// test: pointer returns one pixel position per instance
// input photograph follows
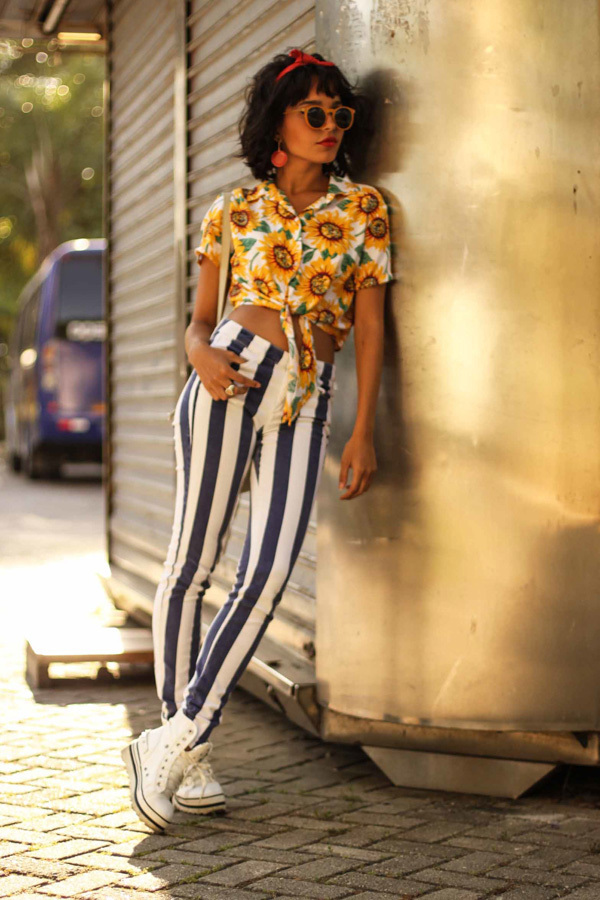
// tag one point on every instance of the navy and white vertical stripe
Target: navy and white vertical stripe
(216, 441)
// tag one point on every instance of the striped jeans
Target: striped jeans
(216, 441)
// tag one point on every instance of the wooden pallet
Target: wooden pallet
(90, 644)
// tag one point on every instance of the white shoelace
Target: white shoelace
(200, 768)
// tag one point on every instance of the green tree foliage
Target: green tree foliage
(51, 156)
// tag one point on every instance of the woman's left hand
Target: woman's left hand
(358, 455)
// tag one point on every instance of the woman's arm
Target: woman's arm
(213, 364)
(359, 452)
(208, 257)
(368, 343)
(204, 314)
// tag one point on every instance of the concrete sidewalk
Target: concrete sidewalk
(304, 818)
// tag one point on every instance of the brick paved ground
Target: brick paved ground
(304, 819)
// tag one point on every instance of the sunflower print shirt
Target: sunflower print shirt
(310, 264)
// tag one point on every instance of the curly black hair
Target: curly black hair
(267, 99)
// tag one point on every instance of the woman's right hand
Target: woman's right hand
(215, 372)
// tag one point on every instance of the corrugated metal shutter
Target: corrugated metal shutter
(144, 271)
(228, 41)
(153, 217)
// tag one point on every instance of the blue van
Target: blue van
(54, 404)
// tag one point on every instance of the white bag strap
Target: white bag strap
(225, 245)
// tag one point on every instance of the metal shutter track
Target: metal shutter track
(144, 376)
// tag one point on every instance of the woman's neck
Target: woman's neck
(294, 183)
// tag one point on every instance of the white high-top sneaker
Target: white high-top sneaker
(156, 763)
(199, 791)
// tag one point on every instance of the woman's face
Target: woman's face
(300, 140)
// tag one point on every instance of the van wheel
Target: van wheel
(39, 466)
(32, 462)
(15, 462)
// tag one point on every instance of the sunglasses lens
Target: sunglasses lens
(315, 116)
(343, 117)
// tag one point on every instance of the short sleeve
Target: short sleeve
(375, 261)
(211, 230)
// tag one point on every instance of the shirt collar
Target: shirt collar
(338, 184)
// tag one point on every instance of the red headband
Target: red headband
(301, 59)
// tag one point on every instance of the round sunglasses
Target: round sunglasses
(315, 116)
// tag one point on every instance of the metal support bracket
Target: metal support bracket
(454, 772)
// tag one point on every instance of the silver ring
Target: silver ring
(230, 389)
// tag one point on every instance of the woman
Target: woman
(310, 257)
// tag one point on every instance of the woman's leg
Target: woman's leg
(288, 462)
(214, 441)
(289, 459)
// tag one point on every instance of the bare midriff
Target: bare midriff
(264, 321)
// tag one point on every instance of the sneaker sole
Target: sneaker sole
(211, 804)
(141, 807)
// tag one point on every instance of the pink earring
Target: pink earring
(279, 157)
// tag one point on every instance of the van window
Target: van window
(80, 288)
(29, 318)
(18, 332)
